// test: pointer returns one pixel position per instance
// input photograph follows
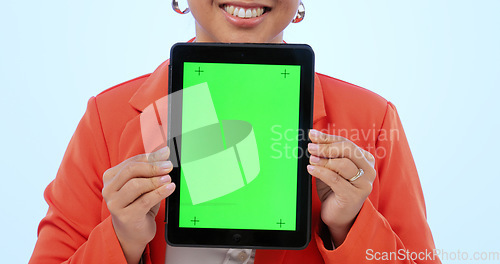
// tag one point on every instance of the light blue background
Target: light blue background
(437, 61)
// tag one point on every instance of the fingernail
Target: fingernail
(163, 151)
(165, 179)
(314, 132)
(166, 165)
(170, 186)
(310, 168)
(312, 146)
(314, 159)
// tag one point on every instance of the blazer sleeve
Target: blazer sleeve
(397, 230)
(73, 230)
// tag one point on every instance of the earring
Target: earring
(175, 6)
(301, 13)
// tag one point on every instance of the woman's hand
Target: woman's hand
(334, 160)
(133, 191)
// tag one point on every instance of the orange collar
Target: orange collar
(156, 87)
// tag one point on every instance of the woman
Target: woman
(104, 202)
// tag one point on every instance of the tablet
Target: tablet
(239, 115)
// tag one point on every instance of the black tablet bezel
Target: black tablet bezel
(275, 54)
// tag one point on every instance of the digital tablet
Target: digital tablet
(239, 116)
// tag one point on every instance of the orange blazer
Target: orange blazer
(78, 227)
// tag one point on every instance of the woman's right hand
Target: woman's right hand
(133, 191)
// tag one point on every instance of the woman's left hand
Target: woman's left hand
(334, 162)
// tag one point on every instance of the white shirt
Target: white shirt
(191, 255)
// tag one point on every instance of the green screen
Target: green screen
(239, 146)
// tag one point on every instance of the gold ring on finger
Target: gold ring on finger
(359, 174)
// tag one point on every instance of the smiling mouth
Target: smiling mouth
(242, 12)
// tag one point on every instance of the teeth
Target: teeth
(242, 12)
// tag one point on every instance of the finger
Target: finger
(148, 200)
(369, 157)
(140, 170)
(136, 187)
(343, 149)
(338, 184)
(321, 138)
(318, 137)
(342, 166)
(159, 155)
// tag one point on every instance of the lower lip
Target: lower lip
(243, 22)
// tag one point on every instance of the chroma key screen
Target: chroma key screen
(237, 172)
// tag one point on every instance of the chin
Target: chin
(244, 40)
(249, 38)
